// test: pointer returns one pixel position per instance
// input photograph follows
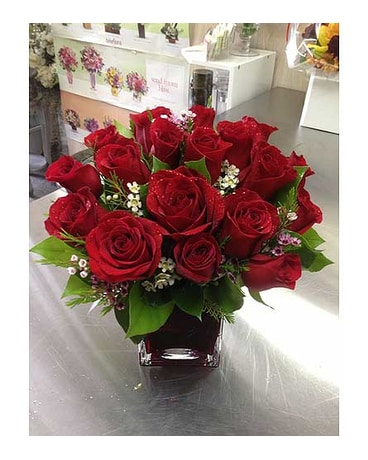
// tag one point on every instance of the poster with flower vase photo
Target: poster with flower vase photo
(119, 77)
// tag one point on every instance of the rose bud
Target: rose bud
(198, 257)
(76, 213)
(266, 272)
(73, 175)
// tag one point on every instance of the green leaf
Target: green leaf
(312, 237)
(312, 259)
(76, 286)
(225, 294)
(56, 252)
(319, 262)
(131, 126)
(149, 115)
(289, 191)
(189, 298)
(143, 192)
(200, 166)
(158, 165)
(122, 317)
(257, 296)
(123, 130)
(143, 317)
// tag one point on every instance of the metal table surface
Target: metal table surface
(278, 374)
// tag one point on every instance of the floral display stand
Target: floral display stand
(321, 105)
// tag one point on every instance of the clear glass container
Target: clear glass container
(201, 87)
(242, 39)
(221, 86)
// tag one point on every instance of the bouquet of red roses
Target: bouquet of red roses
(174, 212)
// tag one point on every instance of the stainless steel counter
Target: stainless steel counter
(279, 368)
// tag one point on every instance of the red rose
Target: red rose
(198, 257)
(166, 139)
(269, 170)
(77, 213)
(189, 172)
(266, 272)
(123, 160)
(101, 137)
(242, 142)
(183, 205)
(206, 143)
(73, 175)
(205, 116)
(259, 131)
(142, 122)
(124, 248)
(308, 213)
(249, 221)
(299, 160)
(243, 135)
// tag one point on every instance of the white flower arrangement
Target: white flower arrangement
(42, 54)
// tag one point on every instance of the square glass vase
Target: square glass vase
(183, 340)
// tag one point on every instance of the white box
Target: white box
(321, 104)
(248, 77)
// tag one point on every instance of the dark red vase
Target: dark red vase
(183, 341)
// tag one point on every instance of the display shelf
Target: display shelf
(244, 77)
(321, 104)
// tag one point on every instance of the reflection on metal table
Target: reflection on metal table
(278, 374)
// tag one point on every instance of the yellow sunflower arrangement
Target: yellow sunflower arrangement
(324, 49)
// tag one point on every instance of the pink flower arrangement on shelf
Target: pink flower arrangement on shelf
(91, 59)
(136, 83)
(68, 59)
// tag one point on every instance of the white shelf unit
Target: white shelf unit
(248, 77)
